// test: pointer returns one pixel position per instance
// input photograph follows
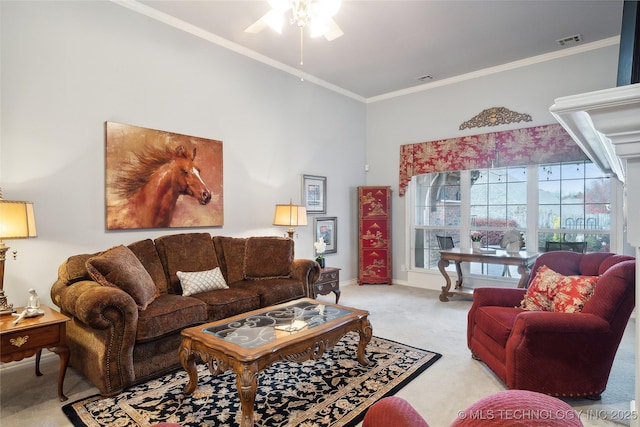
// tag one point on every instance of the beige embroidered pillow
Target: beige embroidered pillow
(198, 282)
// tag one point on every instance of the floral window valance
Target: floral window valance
(519, 147)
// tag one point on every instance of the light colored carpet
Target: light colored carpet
(400, 313)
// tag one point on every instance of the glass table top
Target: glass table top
(256, 330)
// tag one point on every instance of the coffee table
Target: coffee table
(295, 331)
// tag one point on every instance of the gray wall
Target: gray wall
(67, 67)
(438, 112)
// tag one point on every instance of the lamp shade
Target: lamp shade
(17, 220)
(290, 215)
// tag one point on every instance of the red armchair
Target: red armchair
(560, 354)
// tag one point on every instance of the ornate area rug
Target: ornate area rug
(333, 391)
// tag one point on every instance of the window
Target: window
(572, 199)
(574, 206)
(498, 202)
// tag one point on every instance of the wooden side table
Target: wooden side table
(33, 334)
(329, 281)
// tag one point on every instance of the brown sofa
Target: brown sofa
(127, 306)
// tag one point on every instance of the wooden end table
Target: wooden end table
(329, 281)
(33, 334)
(250, 342)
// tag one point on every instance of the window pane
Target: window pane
(548, 192)
(597, 190)
(549, 216)
(517, 193)
(517, 214)
(572, 191)
(572, 216)
(572, 171)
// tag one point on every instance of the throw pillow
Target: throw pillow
(201, 281)
(551, 291)
(572, 292)
(539, 295)
(119, 267)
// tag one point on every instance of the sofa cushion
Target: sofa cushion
(195, 282)
(268, 257)
(75, 269)
(119, 267)
(272, 291)
(185, 252)
(146, 252)
(169, 314)
(225, 303)
(497, 322)
(230, 252)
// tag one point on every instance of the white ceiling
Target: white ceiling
(388, 44)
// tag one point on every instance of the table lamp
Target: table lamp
(290, 216)
(17, 221)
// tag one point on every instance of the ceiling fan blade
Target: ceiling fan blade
(273, 18)
(257, 26)
(334, 31)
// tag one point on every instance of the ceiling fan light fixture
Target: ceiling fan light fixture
(280, 5)
(318, 27)
(275, 20)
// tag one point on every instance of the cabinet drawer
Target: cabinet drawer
(328, 277)
(27, 339)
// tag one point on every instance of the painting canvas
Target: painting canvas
(159, 179)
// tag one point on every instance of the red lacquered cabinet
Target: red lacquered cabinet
(374, 235)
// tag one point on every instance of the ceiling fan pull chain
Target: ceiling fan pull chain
(301, 45)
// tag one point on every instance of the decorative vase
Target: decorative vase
(320, 261)
(476, 246)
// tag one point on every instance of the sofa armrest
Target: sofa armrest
(501, 297)
(569, 344)
(545, 322)
(102, 332)
(307, 271)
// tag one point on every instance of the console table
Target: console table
(524, 261)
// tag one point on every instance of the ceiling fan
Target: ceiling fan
(317, 15)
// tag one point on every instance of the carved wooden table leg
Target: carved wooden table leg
(187, 359)
(460, 279)
(63, 354)
(524, 271)
(38, 356)
(247, 383)
(365, 332)
(442, 265)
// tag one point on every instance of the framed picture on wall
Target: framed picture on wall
(327, 229)
(314, 193)
(161, 179)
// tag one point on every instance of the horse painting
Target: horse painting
(148, 185)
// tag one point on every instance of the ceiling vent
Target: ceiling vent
(566, 41)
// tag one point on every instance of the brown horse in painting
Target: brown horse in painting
(154, 181)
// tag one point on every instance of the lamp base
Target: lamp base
(5, 308)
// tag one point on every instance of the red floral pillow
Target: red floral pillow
(572, 292)
(539, 295)
(551, 291)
